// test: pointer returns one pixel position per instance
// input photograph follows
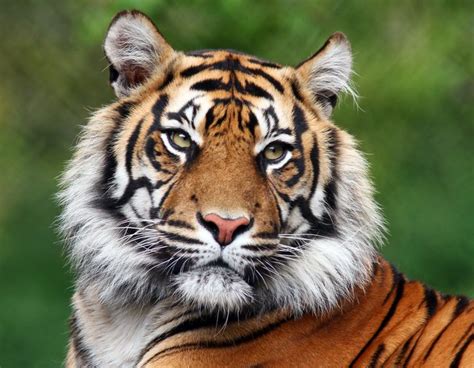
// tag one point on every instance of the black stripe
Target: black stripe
(193, 70)
(124, 110)
(180, 238)
(277, 85)
(152, 153)
(431, 301)
(264, 63)
(468, 329)
(299, 120)
(132, 141)
(385, 321)
(166, 82)
(232, 65)
(205, 53)
(324, 227)
(435, 341)
(110, 164)
(301, 126)
(157, 111)
(181, 114)
(273, 129)
(83, 354)
(460, 306)
(463, 302)
(266, 235)
(252, 123)
(257, 247)
(215, 344)
(314, 156)
(132, 187)
(330, 189)
(180, 224)
(254, 90)
(395, 280)
(401, 355)
(211, 85)
(457, 359)
(155, 211)
(375, 358)
(413, 348)
(295, 88)
(189, 325)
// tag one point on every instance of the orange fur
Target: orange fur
(410, 335)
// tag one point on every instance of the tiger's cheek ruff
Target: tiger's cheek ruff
(91, 226)
(339, 223)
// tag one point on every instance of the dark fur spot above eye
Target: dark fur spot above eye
(193, 198)
(257, 205)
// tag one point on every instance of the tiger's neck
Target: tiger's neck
(168, 335)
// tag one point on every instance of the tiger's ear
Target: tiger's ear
(327, 73)
(134, 48)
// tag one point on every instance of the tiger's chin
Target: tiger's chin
(213, 288)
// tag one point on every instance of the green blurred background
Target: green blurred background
(415, 64)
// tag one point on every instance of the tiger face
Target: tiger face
(218, 180)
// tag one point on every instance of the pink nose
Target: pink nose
(225, 227)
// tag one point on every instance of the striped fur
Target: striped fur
(301, 285)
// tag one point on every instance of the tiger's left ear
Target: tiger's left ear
(135, 49)
(327, 73)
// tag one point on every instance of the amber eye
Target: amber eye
(179, 139)
(274, 151)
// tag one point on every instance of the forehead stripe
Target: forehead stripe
(250, 88)
(157, 111)
(266, 64)
(231, 65)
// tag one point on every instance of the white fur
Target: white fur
(331, 70)
(213, 289)
(116, 336)
(133, 41)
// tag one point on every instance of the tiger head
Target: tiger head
(218, 180)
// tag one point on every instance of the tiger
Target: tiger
(215, 216)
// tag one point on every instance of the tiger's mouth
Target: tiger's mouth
(220, 266)
(218, 263)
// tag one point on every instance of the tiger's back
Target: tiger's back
(217, 217)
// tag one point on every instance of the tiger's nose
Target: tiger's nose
(225, 230)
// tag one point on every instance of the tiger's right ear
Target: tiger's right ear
(135, 49)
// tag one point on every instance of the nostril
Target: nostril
(224, 230)
(209, 225)
(242, 228)
(212, 227)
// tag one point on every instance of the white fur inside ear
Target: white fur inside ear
(135, 48)
(328, 73)
(131, 40)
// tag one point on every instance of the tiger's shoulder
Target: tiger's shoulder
(394, 322)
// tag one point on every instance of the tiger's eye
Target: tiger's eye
(180, 139)
(274, 152)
